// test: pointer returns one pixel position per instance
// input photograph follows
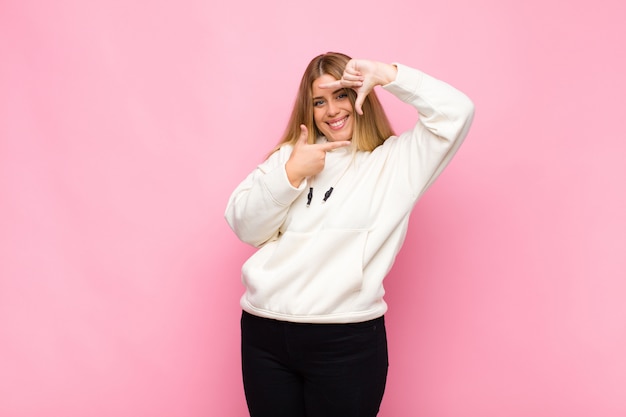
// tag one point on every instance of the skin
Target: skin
(332, 111)
(330, 106)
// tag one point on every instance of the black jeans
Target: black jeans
(313, 370)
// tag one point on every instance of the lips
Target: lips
(337, 124)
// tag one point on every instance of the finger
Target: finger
(334, 145)
(304, 135)
(346, 82)
(354, 84)
(334, 84)
(352, 66)
(358, 103)
(352, 76)
(352, 72)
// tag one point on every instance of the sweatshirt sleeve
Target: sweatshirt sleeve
(445, 116)
(259, 205)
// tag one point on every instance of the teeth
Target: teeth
(338, 123)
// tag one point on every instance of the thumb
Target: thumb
(358, 103)
(304, 136)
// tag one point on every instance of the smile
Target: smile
(337, 124)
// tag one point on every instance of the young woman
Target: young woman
(329, 210)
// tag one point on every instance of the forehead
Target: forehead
(322, 79)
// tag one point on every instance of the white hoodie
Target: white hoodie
(325, 263)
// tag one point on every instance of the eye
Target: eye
(318, 103)
(342, 96)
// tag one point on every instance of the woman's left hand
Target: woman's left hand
(362, 76)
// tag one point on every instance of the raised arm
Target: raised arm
(445, 116)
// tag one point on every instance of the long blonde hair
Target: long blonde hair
(370, 130)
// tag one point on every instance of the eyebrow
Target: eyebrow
(334, 92)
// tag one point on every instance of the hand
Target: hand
(362, 76)
(307, 160)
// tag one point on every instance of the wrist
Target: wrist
(294, 179)
(387, 73)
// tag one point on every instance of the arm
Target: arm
(260, 204)
(445, 116)
(443, 110)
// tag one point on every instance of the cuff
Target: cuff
(406, 84)
(277, 184)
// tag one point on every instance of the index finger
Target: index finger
(329, 146)
(333, 84)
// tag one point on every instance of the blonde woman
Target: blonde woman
(329, 210)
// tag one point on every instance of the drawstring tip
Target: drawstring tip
(327, 194)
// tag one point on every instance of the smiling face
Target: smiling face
(332, 110)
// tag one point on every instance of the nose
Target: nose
(332, 109)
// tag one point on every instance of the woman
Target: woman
(329, 210)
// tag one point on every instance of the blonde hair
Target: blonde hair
(370, 130)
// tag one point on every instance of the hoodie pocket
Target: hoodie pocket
(308, 274)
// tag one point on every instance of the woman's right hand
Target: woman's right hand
(307, 159)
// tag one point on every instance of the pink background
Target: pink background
(124, 126)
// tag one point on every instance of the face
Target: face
(332, 110)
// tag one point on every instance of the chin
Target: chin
(338, 137)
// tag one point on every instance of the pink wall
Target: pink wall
(122, 134)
